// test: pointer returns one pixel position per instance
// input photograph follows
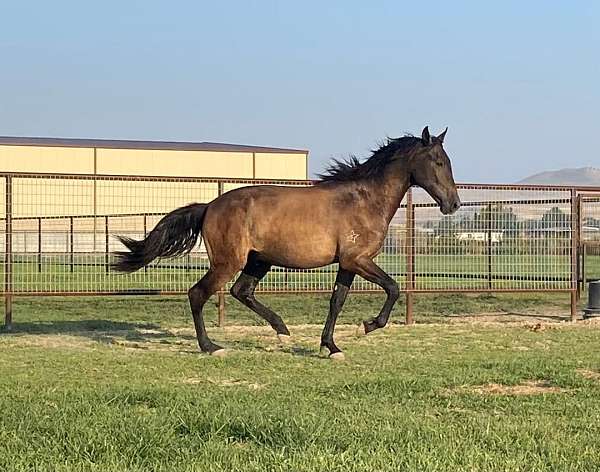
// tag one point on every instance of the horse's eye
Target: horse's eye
(439, 163)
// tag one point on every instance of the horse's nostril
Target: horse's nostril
(456, 206)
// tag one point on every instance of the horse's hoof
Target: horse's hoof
(337, 356)
(284, 339)
(361, 330)
(219, 352)
(324, 352)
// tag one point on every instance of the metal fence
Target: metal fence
(589, 223)
(58, 233)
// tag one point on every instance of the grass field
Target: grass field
(117, 385)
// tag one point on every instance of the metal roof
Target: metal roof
(133, 144)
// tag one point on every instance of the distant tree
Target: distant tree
(496, 217)
(447, 226)
(555, 218)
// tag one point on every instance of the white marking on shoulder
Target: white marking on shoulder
(352, 237)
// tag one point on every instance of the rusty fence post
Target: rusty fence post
(71, 244)
(106, 243)
(145, 235)
(221, 308)
(574, 252)
(489, 254)
(583, 269)
(8, 274)
(39, 255)
(410, 256)
(579, 247)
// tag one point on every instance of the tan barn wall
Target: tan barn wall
(2, 203)
(34, 197)
(281, 166)
(174, 163)
(79, 160)
(60, 160)
(150, 197)
(39, 197)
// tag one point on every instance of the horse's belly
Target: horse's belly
(299, 250)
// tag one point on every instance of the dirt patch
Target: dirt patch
(589, 374)
(594, 322)
(538, 327)
(531, 321)
(224, 383)
(530, 387)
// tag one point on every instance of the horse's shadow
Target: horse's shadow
(102, 331)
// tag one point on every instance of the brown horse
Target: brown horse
(343, 218)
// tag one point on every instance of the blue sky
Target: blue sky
(518, 83)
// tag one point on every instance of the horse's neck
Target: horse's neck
(388, 191)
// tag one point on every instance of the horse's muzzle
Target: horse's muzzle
(450, 207)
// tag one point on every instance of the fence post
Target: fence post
(580, 275)
(71, 245)
(106, 241)
(489, 252)
(8, 275)
(39, 258)
(574, 249)
(583, 270)
(221, 306)
(410, 253)
(145, 234)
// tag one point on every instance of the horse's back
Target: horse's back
(290, 226)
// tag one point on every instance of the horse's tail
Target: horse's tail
(174, 235)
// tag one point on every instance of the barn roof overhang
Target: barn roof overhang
(146, 145)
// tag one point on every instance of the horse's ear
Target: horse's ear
(443, 135)
(425, 136)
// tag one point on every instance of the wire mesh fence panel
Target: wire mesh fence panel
(502, 238)
(65, 228)
(590, 237)
(63, 232)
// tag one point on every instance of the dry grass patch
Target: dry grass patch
(529, 387)
(589, 374)
(224, 382)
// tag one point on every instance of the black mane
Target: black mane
(352, 169)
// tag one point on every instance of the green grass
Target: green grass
(97, 384)
(592, 266)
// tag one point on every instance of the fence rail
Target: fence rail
(58, 233)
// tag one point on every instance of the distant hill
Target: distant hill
(581, 176)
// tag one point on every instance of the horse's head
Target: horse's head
(431, 170)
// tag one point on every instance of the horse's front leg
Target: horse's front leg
(343, 281)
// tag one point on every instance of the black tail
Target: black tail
(174, 235)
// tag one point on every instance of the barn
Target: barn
(150, 158)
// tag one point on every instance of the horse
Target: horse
(343, 218)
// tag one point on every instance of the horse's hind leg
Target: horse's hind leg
(199, 294)
(244, 288)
